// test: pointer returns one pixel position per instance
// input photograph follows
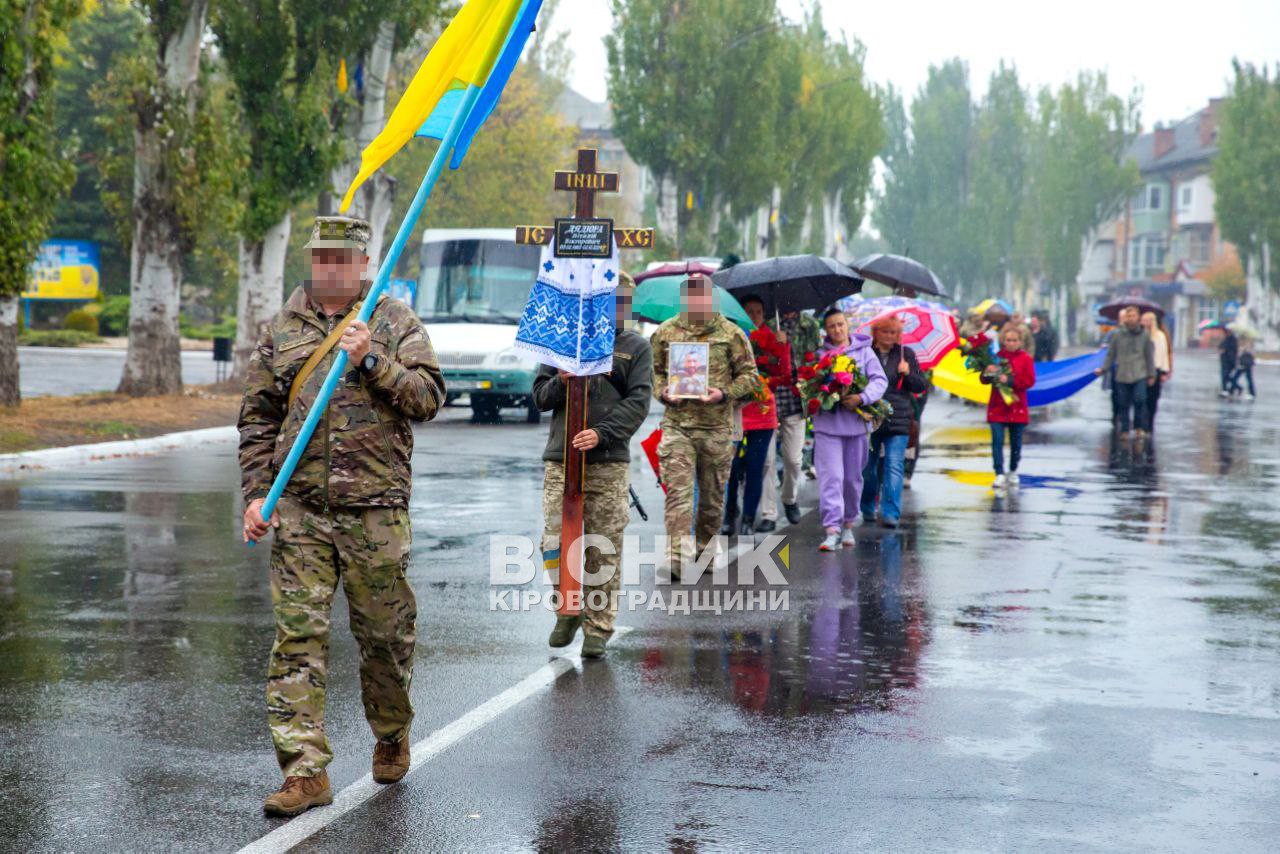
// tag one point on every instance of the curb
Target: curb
(74, 455)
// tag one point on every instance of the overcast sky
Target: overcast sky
(1178, 52)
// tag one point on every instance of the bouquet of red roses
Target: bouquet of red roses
(825, 382)
(978, 356)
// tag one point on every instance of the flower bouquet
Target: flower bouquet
(825, 382)
(978, 356)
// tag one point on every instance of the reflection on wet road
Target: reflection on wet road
(1089, 662)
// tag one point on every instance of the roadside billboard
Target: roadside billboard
(64, 270)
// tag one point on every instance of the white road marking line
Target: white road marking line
(311, 822)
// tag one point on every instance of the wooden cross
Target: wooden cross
(584, 183)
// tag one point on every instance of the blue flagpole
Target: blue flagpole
(407, 228)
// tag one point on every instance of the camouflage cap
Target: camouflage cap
(340, 232)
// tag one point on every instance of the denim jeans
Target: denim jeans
(887, 456)
(1015, 445)
(748, 467)
(1131, 395)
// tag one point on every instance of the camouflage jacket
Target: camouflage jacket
(732, 369)
(359, 454)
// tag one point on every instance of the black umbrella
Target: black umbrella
(792, 283)
(1112, 310)
(898, 271)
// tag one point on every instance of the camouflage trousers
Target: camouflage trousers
(605, 513)
(687, 460)
(368, 549)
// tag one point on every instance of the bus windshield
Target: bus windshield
(476, 281)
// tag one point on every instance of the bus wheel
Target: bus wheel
(533, 415)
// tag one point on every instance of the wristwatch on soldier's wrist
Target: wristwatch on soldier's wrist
(369, 364)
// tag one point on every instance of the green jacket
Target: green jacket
(617, 402)
(732, 369)
(1132, 354)
(806, 337)
(359, 454)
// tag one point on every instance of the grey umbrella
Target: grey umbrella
(790, 283)
(898, 271)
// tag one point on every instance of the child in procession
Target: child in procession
(1016, 371)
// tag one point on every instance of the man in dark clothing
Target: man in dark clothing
(1132, 353)
(1228, 356)
(617, 404)
(889, 442)
(1045, 336)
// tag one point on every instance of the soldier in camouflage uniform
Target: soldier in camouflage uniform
(617, 404)
(344, 514)
(697, 434)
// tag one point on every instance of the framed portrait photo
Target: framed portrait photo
(688, 369)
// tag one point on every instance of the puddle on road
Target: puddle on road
(856, 645)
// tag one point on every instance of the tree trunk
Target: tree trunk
(717, 214)
(261, 287)
(373, 201)
(10, 394)
(668, 211)
(154, 362)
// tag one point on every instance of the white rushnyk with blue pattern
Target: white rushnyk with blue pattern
(569, 321)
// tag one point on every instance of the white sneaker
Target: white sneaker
(1000, 482)
(1013, 480)
(1249, 397)
(831, 543)
(846, 538)
(1223, 394)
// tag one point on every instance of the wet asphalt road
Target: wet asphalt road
(64, 371)
(1090, 664)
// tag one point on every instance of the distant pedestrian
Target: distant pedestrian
(1228, 356)
(1244, 369)
(882, 478)
(1012, 416)
(1131, 353)
(759, 423)
(1045, 336)
(841, 436)
(1164, 364)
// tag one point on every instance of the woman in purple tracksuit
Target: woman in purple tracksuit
(842, 436)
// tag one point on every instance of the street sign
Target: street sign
(584, 238)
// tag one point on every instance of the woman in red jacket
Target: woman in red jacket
(1020, 375)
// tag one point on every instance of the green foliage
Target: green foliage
(204, 158)
(108, 29)
(56, 338)
(35, 161)
(773, 105)
(1246, 172)
(208, 331)
(114, 317)
(928, 203)
(1009, 185)
(81, 321)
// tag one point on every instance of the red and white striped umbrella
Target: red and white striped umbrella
(927, 327)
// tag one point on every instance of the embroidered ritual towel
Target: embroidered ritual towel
(570, 319)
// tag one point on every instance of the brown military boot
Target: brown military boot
(299, 794)
(390, 761)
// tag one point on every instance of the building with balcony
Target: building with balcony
(1162, 239)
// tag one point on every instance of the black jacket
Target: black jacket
(900, 390)
(617, 402)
